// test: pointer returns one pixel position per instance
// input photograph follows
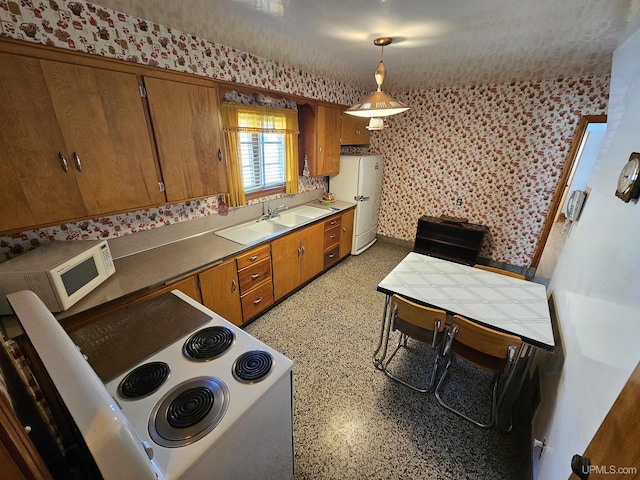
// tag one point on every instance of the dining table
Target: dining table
(500, 302)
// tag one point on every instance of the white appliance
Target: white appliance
(216, 403)
(60, 273)
(360, 180)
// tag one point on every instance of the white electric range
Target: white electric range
(216, 403)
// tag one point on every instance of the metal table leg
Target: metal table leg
(383, 342)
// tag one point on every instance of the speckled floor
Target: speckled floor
(350, 420)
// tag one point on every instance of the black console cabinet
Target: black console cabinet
(455, 241)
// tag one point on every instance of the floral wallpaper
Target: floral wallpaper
(498, 148)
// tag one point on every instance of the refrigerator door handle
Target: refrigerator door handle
(360, 198)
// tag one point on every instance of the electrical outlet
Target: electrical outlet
(459, 202)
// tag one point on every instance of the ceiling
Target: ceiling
(436, 42)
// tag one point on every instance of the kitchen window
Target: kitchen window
(262, 150)
(263, 161)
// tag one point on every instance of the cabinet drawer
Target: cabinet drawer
(253, 256)
(257, 300)
(332, 236)
(331, 256)
(332, 222)
(254, 274)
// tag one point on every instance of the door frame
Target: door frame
(569, 163)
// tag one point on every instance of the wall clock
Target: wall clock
(629, 179)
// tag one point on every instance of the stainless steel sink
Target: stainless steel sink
(261, 230)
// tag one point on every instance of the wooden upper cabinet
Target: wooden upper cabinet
(102, 119)
(329, 125)
(74, 143)
(188, 132)
(319, 139)
(354, 130)
(34, 187)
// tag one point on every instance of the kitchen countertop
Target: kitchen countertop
(159, 265)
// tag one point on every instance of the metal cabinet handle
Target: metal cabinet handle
(234, 285)
(303, 249)
(78, 163)
(333, 222)
(320, 149)
(63, 161)
(254, 276)
(257, 301)
(219, 154)
(331, 255)
(253, 259)
(299, 251)
(332, 236)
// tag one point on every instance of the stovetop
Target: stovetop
(241, 352)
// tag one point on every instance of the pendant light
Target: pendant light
(378, 104)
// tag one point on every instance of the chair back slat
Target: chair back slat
(418, 315)
(484, 340)
(500, 271)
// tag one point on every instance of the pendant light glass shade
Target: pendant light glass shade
(378, 104)
(376, 123)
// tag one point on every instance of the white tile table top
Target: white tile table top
(506, 303)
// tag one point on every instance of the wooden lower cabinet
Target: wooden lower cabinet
(347, 232)
(220, 291)
(254, 276)
(256, 300)
(332, 237)
(240, 288)
(297, 258)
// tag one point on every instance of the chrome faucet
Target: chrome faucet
(272, 213)
(279, 209)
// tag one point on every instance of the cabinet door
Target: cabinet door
(311, 240)
(34, 187)
(102, 119)
(285, 255)
(220, 291)
(328, 160)
(347, 233)
(187, 126)
(354, 130)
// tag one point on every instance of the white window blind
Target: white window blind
(263, 160)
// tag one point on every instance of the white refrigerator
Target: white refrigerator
(360, 180)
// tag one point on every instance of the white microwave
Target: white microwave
(60, 273)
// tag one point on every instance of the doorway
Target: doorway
(575, 175)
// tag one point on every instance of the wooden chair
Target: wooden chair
(490, 350)
(500, 271)
(421, 323)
